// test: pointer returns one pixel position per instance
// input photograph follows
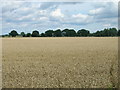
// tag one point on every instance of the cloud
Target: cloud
(25, 17)
(96, 11)
(107, 25)
(10, 6)
(48, 5)
(105, 10)
(54, 5)
(57, 13)
(82, 18)
(34, 15)
(77, 19)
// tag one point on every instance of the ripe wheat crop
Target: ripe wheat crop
(65, 62)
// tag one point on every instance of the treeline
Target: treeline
(67, 33)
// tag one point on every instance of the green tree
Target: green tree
(98, 33)
(69, 32)
(13, 33)
(42, 35)
(83, 32)
(113, 32)
(58, 33)
(28, 35)
(118, 33)
(35, 33)
(49, 33)
(106, 32)
(22, 34)
(6, 35)
(65, 32)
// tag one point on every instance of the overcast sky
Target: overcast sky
(42, 16)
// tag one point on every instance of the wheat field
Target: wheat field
(59, 62)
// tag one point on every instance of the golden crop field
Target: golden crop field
(60, 62)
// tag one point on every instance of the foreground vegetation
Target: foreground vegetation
(79, 62)
(67, 33)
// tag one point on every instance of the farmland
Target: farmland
(59, 62)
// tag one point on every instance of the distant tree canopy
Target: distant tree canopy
(49, 33)
(13, 33)
(28, 35)
(118, 32)
(35, 33)
(71, 33)
(22, 34)
(83, 32)
(67, 33)
(107, 32)
(58, 33)
(42, 35)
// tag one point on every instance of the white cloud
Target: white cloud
(54, 5)
(10, 6)
(107, 25)
(51, 15)
(82, 18)
(42, 12)
(57, 13)
(105, 10)
(43, 19)
(25, 17)
(96, 11)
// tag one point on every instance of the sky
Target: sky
(25, 16)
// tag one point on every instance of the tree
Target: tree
(28, 35)
(42, 35)
(113, 31)
(68, 32)
(6, 35)
(35, 33)
(65, 32)
(22, 34)
(98, 33)
(49, 33)
(118, 33)
(71, 33)
(58, 33)
(83, 32)
(13, 33)
(106, 32)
